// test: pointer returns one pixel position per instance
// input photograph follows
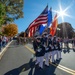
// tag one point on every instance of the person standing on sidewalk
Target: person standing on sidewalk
(4, 41)
(0, 43)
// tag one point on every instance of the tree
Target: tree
(22, 34)
(2, 13)
(13, 9)
(66, 30)
(10, 30)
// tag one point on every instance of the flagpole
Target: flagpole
(47, 17)
(47, 22)
(50, 21)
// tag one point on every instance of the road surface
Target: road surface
(18, 60)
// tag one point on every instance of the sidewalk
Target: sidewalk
(4, 49)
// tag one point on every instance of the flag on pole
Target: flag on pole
(41, 19)
(50, 17)
(54, 26)
(43, 26)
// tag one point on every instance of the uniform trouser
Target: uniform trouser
(39, 60)
(59, 54)
(53, 55)
(47, 57)
(50, 55)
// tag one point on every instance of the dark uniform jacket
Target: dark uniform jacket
(58, 45)
(54, 44)
(44, 42)
(40, 50)
(49, 45)
(34, 45)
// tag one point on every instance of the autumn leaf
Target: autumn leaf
(10, 30)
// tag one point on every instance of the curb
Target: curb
(4, 49)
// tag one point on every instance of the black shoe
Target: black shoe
(46, 65)
(57, 59)
(40, 68)
(60, 58)
(36, 66)
(53, 63)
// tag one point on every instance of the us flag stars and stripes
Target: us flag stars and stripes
(41, 19)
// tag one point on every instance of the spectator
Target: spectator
(0, 43)
(4, 41)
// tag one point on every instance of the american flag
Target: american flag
(41, 19)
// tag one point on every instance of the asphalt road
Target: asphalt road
(17, 60)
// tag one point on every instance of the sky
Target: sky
(33, 8)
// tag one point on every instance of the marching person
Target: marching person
(39, 53)
(59, 49)
(34, 43)
(44, 39)
(45, 45)
(50, 46)
(48, 49)
(54, 49)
